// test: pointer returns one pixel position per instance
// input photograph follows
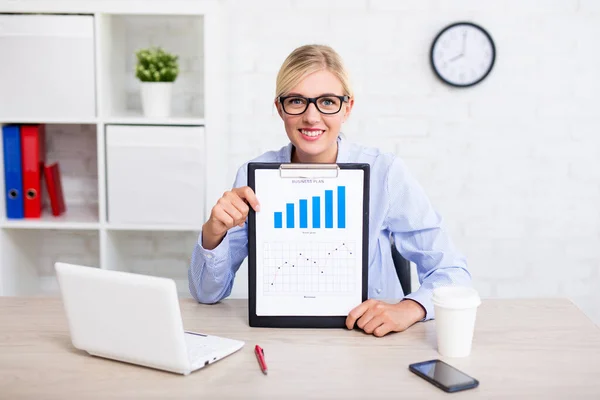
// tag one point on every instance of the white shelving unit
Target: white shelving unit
(196, 31)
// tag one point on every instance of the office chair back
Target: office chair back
(402, 266)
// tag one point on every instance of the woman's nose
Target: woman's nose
(312, 115)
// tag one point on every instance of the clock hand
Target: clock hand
(464, 42)
(455, 58)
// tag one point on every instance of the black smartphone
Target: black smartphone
(443, 375)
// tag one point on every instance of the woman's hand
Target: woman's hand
(379, 318)
(231, 210)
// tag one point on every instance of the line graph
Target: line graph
(309, 268)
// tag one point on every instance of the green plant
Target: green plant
(156, 65)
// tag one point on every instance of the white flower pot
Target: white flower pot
(156, 99)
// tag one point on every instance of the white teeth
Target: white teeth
(311, 133)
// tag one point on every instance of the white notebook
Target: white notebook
(135, 319)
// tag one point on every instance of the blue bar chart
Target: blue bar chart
(341, 191)
(316, 209)
(329, 209)
(318, 203)
(278, 220)
(303, 213)
(289, 220)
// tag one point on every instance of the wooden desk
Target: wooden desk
(522, 349)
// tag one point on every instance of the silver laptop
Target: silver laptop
(135, 319)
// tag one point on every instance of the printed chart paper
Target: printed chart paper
(309, 243)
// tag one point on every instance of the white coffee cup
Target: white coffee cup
(455, 312)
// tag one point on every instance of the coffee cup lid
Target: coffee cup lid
(456, 297)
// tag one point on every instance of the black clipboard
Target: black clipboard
(293, 321)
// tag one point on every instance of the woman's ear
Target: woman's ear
(278, 107)
(348, 109)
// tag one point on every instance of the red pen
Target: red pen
(260, 355)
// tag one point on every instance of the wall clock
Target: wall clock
(462, 54)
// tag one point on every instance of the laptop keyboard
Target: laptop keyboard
(198, 349)
(206, 349)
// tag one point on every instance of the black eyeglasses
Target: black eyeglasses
(326, 104)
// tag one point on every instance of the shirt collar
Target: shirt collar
(341, 153)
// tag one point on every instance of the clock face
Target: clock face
(462, 54)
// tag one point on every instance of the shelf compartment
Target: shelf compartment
(74, 147)
(28, 258)
(155, 253)
(55, 76)
(78, 217)
(155, 175)
(123, 35)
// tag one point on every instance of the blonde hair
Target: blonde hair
(307, 59)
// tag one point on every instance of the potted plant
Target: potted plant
(157, 70)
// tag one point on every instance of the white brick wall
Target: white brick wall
(78, 247)
(156, 253)
(512, 164)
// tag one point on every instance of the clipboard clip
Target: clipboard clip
(309, 170)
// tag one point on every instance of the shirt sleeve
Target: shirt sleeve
(420, 237)
(211, 272)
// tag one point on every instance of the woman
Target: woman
(314, 99)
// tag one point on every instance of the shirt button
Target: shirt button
(209, 256)
(378, 291)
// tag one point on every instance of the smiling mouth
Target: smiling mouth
(311, 133)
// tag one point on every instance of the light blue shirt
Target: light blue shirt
(398, 207)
